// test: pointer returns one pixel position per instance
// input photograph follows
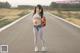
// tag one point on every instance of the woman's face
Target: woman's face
(38, 10)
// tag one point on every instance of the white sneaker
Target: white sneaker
(36, 49)
(43, 49)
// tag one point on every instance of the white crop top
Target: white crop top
(37, 19)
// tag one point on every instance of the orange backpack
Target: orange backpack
(43, 21)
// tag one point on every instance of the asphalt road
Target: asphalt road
(60, 36)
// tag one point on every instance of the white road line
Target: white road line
(9, 25)
(64, 20)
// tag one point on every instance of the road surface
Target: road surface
(60, 36)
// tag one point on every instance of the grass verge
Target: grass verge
(7, 16)
(72, 16)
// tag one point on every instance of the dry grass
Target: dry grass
(74, 20)
(72, 16)
(9, 15)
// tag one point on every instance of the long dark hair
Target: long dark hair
(40, 8)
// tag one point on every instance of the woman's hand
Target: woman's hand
(34, 22)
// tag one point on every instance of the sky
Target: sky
(30, 2)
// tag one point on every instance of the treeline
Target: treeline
(25, 6)
(4, 5)
(52, 6)
(65, 6)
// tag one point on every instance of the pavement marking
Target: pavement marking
(9, 25)
(65, 20)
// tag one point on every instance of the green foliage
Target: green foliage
(65, 6)
(4, 5)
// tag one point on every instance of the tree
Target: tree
(4, 5)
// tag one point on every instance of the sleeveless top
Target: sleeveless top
(36, 19)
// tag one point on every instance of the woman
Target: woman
(39, 23)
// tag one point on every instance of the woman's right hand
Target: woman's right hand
(34, 22)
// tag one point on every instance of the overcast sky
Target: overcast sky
(30, 2)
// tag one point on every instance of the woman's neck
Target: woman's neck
(37, 12)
